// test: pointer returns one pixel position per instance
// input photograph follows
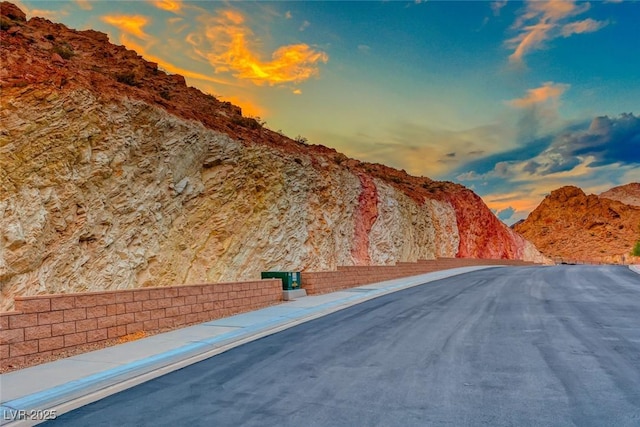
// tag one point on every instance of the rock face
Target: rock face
(628, 194)
(572, 226)
(115, 175)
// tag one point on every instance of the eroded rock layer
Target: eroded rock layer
(571, 226)
(629, 194)
(116, 175)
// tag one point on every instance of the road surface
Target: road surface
(544, 346)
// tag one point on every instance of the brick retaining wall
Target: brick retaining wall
(44, 324)
(322, 282)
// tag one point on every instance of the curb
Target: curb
(635, 268)
(74, 394)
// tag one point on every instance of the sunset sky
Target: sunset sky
(512, 99)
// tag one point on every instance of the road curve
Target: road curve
(528, 346)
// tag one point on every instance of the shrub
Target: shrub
(128, 78)
(248, 122)
(4, 24)
(64, 51)
(258, 120)
(636, 249)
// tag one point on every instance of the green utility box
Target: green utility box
(290, 279)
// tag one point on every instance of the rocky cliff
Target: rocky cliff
(572, 226)
(114, 174)
(628, 194)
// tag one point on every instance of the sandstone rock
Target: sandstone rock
(105, 190)
(57, 59)
(12, 11)
(628, 194)
(571, 226)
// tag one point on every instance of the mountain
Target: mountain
(115, 174)
(572, 226)
(628, 194)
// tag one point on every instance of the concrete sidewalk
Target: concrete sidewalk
(30, 395)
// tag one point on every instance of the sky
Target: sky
(512, 99)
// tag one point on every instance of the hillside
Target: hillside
(572, 226)
(114, 174)
(628, 194)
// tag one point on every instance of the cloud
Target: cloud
(229, 45)
(53, 15)
(364, 48)
(297, 92)
(288, 15)
(585, 26)
(496, 6)
(168, 5)
(601, 142)
(505, 214)
(170, 67)
(417, 148)
(84, 4)
(607, 140)
(594, 155)
(538, 110)
(129, 24)
(304, 25)
(543, 21)
(549, 91)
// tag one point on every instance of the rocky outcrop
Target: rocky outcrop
(114, 175)
(628, 194)
(571, 226)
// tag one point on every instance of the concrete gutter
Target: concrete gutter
(29, 395)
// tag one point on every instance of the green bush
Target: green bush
(4, 24)
(248, 122)
(636, 249)
(127, 78)
(64, 51)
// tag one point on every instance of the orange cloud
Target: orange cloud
(169, 67)
(249, 108)
(168, 5)
(522, 201)
(549, 91)
(129, 24)
(586, 26)
(546, 20)
(227, 45)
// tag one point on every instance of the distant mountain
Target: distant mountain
(570, 225)
(520, 221)
(628, 194)
(115, 174)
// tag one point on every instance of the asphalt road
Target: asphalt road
(534, 346)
